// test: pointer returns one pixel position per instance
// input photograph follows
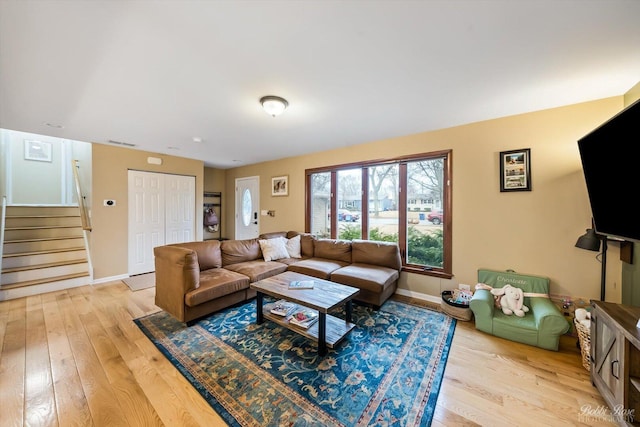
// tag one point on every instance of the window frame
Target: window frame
(447, 194)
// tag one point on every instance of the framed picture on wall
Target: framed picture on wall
(37, 150)
(280, 185)
(515, 170)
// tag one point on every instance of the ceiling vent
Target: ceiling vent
(126, 144)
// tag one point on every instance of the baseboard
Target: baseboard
(110, 279)
(418, 295)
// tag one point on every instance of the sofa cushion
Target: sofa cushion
(338, 250)
(272, 235)
(235, 251)
(258, 269)
(514, 328)
(366, 276)
(317, 267)
(293, 247)
(209, 255)
(273, 249)
(386, 254)
(216, 283)
(306, 243)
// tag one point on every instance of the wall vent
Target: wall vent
(126, 144)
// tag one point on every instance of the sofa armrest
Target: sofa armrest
(483, 306)
(482, 303)
(177, 272)
(547, 316)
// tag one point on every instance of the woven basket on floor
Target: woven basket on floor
(584, 335)
(455, 310)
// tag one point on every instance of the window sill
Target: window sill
(426, 272)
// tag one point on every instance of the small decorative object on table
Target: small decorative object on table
(456, 304)
(301, 284)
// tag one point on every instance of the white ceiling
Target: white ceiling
(159, 73)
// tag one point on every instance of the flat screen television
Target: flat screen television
(611, 164)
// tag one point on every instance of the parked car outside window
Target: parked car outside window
(347, 215)
(435, 217)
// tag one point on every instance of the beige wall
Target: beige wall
(529, 232)
(110, 181)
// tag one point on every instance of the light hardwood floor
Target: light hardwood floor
(75, 358)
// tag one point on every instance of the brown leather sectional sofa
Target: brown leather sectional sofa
(195, 279)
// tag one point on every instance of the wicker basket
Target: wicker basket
(584, 336)
(455, 310)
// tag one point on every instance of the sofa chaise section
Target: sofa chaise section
(375, 270)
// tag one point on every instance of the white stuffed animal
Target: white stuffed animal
(511, 300)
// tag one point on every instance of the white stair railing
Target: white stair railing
(84, 214)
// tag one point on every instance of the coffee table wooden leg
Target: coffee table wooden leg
(322, 334)
(259, 315)
(347, 311)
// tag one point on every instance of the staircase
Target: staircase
(43, 251)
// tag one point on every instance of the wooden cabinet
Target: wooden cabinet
(615, 359)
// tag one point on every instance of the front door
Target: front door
(247, 207)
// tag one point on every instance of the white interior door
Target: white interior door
(180, 203)
(247, 208)
(146, 219)
(161, 211)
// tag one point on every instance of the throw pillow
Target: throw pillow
(293, 247)
(273, 249)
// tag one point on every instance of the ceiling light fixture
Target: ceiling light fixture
(273, 105)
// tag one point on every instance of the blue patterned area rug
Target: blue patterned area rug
(387, 371)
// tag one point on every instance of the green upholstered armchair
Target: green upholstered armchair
(540, 327)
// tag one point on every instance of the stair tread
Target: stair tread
(41, 227)
(43, 239)
(46, 280)
(42, 216)
(45, 265)
(50, 251)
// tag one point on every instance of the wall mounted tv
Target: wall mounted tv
(611, 163)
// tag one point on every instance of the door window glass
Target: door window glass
(246, 207)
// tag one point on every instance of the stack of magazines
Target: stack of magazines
(283, 307)
(303, 317)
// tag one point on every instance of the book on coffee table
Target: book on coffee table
(303, 317)
(301, 284)
(283, 307)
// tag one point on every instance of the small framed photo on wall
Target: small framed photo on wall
(37, 150)
(280, 185)
(515, 170)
